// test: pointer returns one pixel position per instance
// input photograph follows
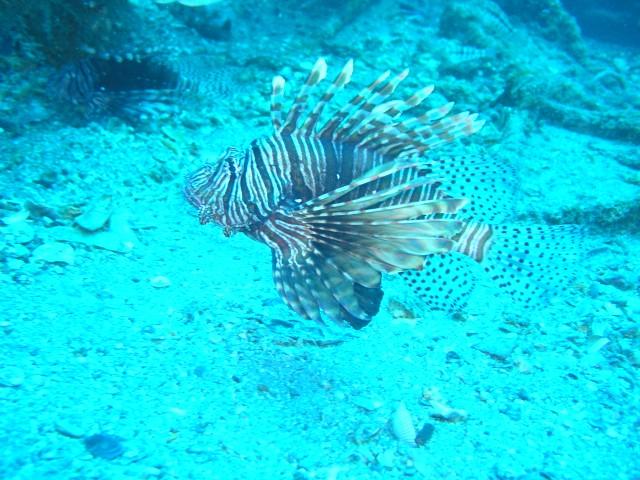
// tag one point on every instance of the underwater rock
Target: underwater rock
(210, 23)
(387, 458)
(607, 122)
(96, 215)
(567, 104)
(513, 411)
(618, 281)
(54, 252)
(620, 216)
(62, 29)
(72, 427)
(444, 413)
(367, 403)
(400, 311)
(440, 410)
(274, 21)
(17, 251)
(48, 178)
(631, 162)
(551, 20)
(19, 232)
(42, 212)
(365, 433)
(499, 350)
(119, 237)
(14, 263)
(19, 216)
(481, 25)
(425, 434)
(104, 445)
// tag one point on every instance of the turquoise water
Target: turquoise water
(136, 343)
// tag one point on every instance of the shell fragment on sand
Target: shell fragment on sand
(119, 237)
(54, 252)
(12, 377)
(402, 425)
(159, 281)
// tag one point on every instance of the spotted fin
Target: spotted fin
(529, 264)
(533, 262)
(489, 184)
(446, 282)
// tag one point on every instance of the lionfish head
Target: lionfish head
(206, 188)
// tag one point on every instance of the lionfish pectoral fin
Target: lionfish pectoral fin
(385, 218)
(330, 253)
(317, 282)
(338, 249)
(526, 263)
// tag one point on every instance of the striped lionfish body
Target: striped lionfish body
(343, 202)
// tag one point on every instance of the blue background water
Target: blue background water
(135, 343)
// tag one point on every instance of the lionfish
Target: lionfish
(135, 86)
(343, 202)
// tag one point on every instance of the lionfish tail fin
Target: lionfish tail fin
(528, 263)
(532, 263)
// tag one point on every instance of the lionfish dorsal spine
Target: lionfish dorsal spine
(316, 75)
(363, 111)
(343, 78)
(407, 126)
(380, 121)
(329, 128)
(277, 89)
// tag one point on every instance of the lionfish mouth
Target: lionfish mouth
(205, 212)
